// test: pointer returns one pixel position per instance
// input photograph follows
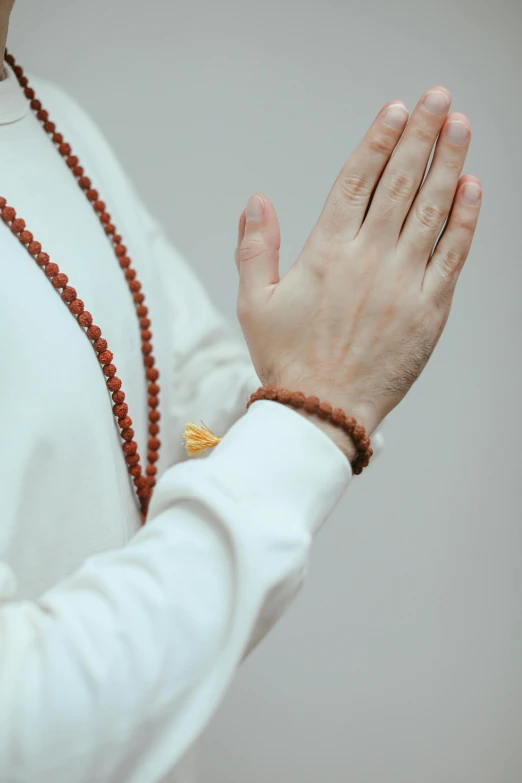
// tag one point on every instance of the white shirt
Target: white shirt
(111, 664)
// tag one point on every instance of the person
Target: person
(117, 639)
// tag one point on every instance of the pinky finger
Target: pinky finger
(454, 244)
(240, 235)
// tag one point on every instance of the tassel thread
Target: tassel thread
(199, 439)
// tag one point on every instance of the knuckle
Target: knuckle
(464, 223)
(354, 187)
(251, 248)
(242, 310)
(380, 144)
(399, 186)
(422, 134)
(449, 263)
(429, 217)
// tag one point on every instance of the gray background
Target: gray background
(402, 659)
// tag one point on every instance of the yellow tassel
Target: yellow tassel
(198, 439)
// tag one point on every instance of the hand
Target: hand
(358, 315)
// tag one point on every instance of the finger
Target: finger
(258, 252)
(453, 247)
(240, 235)
(348, 200)
(403, 174)
(431, 207)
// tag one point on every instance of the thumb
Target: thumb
(259, 240)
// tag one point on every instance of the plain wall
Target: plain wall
(401, 661)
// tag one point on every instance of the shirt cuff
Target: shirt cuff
(278, 459)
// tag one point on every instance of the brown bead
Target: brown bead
(100, 345)
(120, 250)
(99, 206)
(60, 281)
(138, 298)
(154, 416)
(72, 161)
(125, 422)
(130, 274)
(142, 311)
(109, 228)
(49, 127)
(135, 286)
(105, 217)
(114, 384)
(8, 213)
(17, 225)
(148, 360)
(132, 459)
(152, 456)
(153, 402)
(151, 470)
(151, 481)
(85, 319)
(68, 294)
(140, 482)
(92, 194)
(146, 348)
(144, 323)
(153, 388)
(84, 183)
(153, 429)
(109, 370)
(42, 259)
(124, 262)
(337, 415)
(42, 115)
(127, 434)
(152, 374)
(311, 404)
(154, 444)
(144, 492)
(76, 306)
(135, 471)
(121, 409)
(64, 149)
(118, 396)
(94, 332)
(28, 92)
(3, 203)
(349, 423)
(26, 237)
(359, 432)
(130, 448)
(146, 334)
(105, 357)
(78, 171)
(57, 138)
(51, 270)
(34, 248)
(325, 409)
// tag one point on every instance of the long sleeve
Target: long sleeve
(113, 673)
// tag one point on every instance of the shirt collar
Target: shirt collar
(13, 103)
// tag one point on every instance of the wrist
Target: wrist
(340, 438)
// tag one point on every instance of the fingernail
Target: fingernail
(255, 209)
(396, 116)
(457, 132)
(471, 193)
(437, 102)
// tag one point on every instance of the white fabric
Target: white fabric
(112, 663)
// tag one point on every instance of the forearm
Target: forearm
(114, 673)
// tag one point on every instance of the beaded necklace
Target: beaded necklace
(144, 484)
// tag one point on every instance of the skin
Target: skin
(358, 315)
(6, 7)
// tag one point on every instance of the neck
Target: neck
(4, 24)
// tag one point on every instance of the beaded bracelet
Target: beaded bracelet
(336, 416)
